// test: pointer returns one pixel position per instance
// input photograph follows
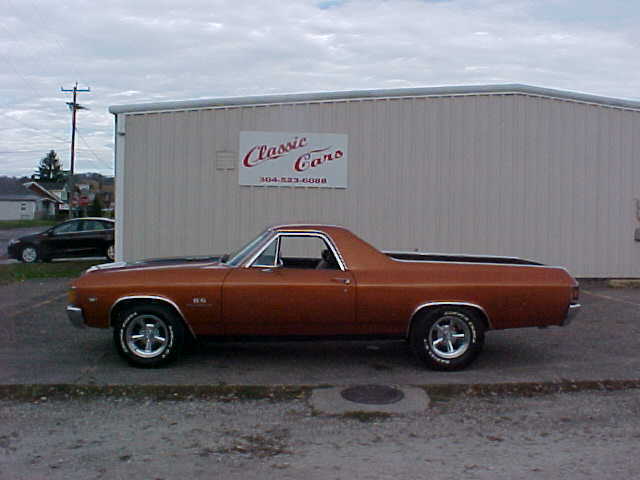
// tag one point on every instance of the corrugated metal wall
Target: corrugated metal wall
(528, 176)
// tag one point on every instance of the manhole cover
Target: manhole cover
(372, 394)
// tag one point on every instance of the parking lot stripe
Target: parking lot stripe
(607, 297)
(45, 302)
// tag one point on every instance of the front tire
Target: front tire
(29, 254)
(447, 338)
(149, 335)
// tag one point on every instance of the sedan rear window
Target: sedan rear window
(90, 225)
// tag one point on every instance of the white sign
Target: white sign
(293, 159)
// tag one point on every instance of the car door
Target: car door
(92, 238)
(63, 239)
(283, 292)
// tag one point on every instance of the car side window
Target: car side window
(306, 252)
(68, 227)
(91, 225)
(268, 256)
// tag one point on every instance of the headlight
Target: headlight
(13, 241)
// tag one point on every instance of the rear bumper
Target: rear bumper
(76, 317)
(573, 310)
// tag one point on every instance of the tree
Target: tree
(50, 168)
(95, 209)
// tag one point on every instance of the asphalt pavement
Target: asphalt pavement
(38, 345)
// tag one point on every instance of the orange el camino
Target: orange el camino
(319, 281)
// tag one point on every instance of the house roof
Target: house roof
(18, 198)
(43, 192)
(11, 189)
(444, 91)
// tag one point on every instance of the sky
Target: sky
(137, 51)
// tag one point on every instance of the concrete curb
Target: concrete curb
(623, 283)
(281, 393)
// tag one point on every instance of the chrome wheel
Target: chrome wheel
(449, 337)
(29, 255)
(147, 336)
(111, 252)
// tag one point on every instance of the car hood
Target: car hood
(31, 237)
(159, 263)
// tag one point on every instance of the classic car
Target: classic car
(319, 281)
(80, 237)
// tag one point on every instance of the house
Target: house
(60, 190)
(49, 201)
(25, 201)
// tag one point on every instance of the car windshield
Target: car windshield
(236, 258)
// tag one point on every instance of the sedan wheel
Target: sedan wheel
(29, 254)
(149, 335)
(110, 253)
(447, 338)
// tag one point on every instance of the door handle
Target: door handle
(345, 281)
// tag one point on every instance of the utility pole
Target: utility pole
(74, 107)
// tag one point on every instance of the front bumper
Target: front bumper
(76, 317)
(13, 250)
(573, 310)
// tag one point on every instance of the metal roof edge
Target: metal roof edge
(503, 88)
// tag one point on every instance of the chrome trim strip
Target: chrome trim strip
(449, 254)
(76, 317)
(277, 236)
(304, 225)
(152, 297)
(480, 263)
(434, 304)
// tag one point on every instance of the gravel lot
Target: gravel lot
(577, 436)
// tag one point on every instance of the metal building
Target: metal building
(516, 170)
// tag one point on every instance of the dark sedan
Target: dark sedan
(80, 237)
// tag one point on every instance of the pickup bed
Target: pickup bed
(319, 281)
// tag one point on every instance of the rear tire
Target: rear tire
(149, 335)
(447, 338)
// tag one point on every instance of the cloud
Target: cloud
(130, 52)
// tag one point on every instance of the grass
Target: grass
(11, 224)
(19, 272)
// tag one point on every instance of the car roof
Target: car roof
(104, 219)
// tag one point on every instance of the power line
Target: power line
(34, 128)
(31, 151)
(100, 160)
